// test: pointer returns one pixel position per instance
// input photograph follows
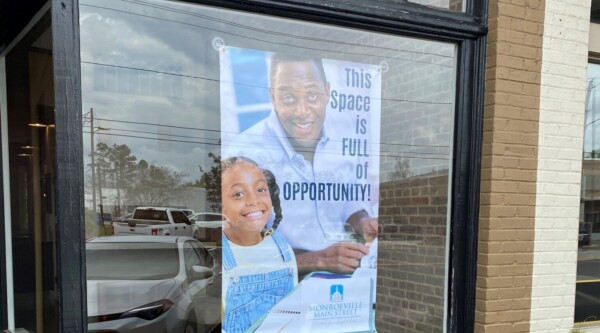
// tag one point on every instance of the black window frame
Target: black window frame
(70, 228)
(468, 30)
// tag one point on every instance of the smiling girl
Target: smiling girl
(259, 267)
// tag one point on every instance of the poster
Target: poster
(315, 125)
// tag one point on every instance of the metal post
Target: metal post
(101, 223)
(93, 161)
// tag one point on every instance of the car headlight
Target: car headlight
(149, 311)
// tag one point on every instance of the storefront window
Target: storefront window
(587, 307)
(32, 302)
(355, 126)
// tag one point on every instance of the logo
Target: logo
(336, 293)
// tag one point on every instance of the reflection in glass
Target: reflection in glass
(149, 284)
(587, 304)
(452, 5)
(126, 262)
(151, 85)
(31, 151)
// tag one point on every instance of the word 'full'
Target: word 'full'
(354, 147)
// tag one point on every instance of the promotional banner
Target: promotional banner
(300, 191)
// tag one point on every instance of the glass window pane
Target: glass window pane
(452, 5)
(30, 148)
(595, 11)
(588, 273)
(359, 127)
(124, 261)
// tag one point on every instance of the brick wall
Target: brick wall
(562, 107)
(533, 118)
(412, 254)
(509, 166)
(416, 152)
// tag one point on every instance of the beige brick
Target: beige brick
(502, 271)
(511, 37)
(497, 223)
(516, 75)
(509, 165)
(506, 317)
(507, 9)
(506, 304)
(507, 235)
(525, 26)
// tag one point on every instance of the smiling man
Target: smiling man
(294, 144)
(300, 94)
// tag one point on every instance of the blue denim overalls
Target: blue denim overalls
(249, 297)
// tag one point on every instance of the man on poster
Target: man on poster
(294, 143)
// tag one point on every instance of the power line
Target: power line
(246, 84)
(162, 134)
(149, 70)
(271, 32)
(291, 36)
(219, 131)
(384, 154)
(158, 125)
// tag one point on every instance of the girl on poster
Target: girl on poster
(259, 266)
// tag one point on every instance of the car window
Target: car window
(179, 217)
(195, 255)
(131, 261)
(203, 253)
(191, 257)
(150, 214)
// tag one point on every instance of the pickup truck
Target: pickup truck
(156, 221)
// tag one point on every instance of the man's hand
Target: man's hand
(364, 225)
(342, 258)
(369, 229)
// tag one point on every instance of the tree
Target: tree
(115, 164)
(140, 184)
(401, 169)
(153, 185)
(102, 154)
(211, 181)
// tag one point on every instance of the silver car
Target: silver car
(152, 284)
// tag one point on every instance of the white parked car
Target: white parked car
(152, 284)
(208, 227)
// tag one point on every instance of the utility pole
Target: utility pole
(93, 162)
(118, 173)
(101, 223)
